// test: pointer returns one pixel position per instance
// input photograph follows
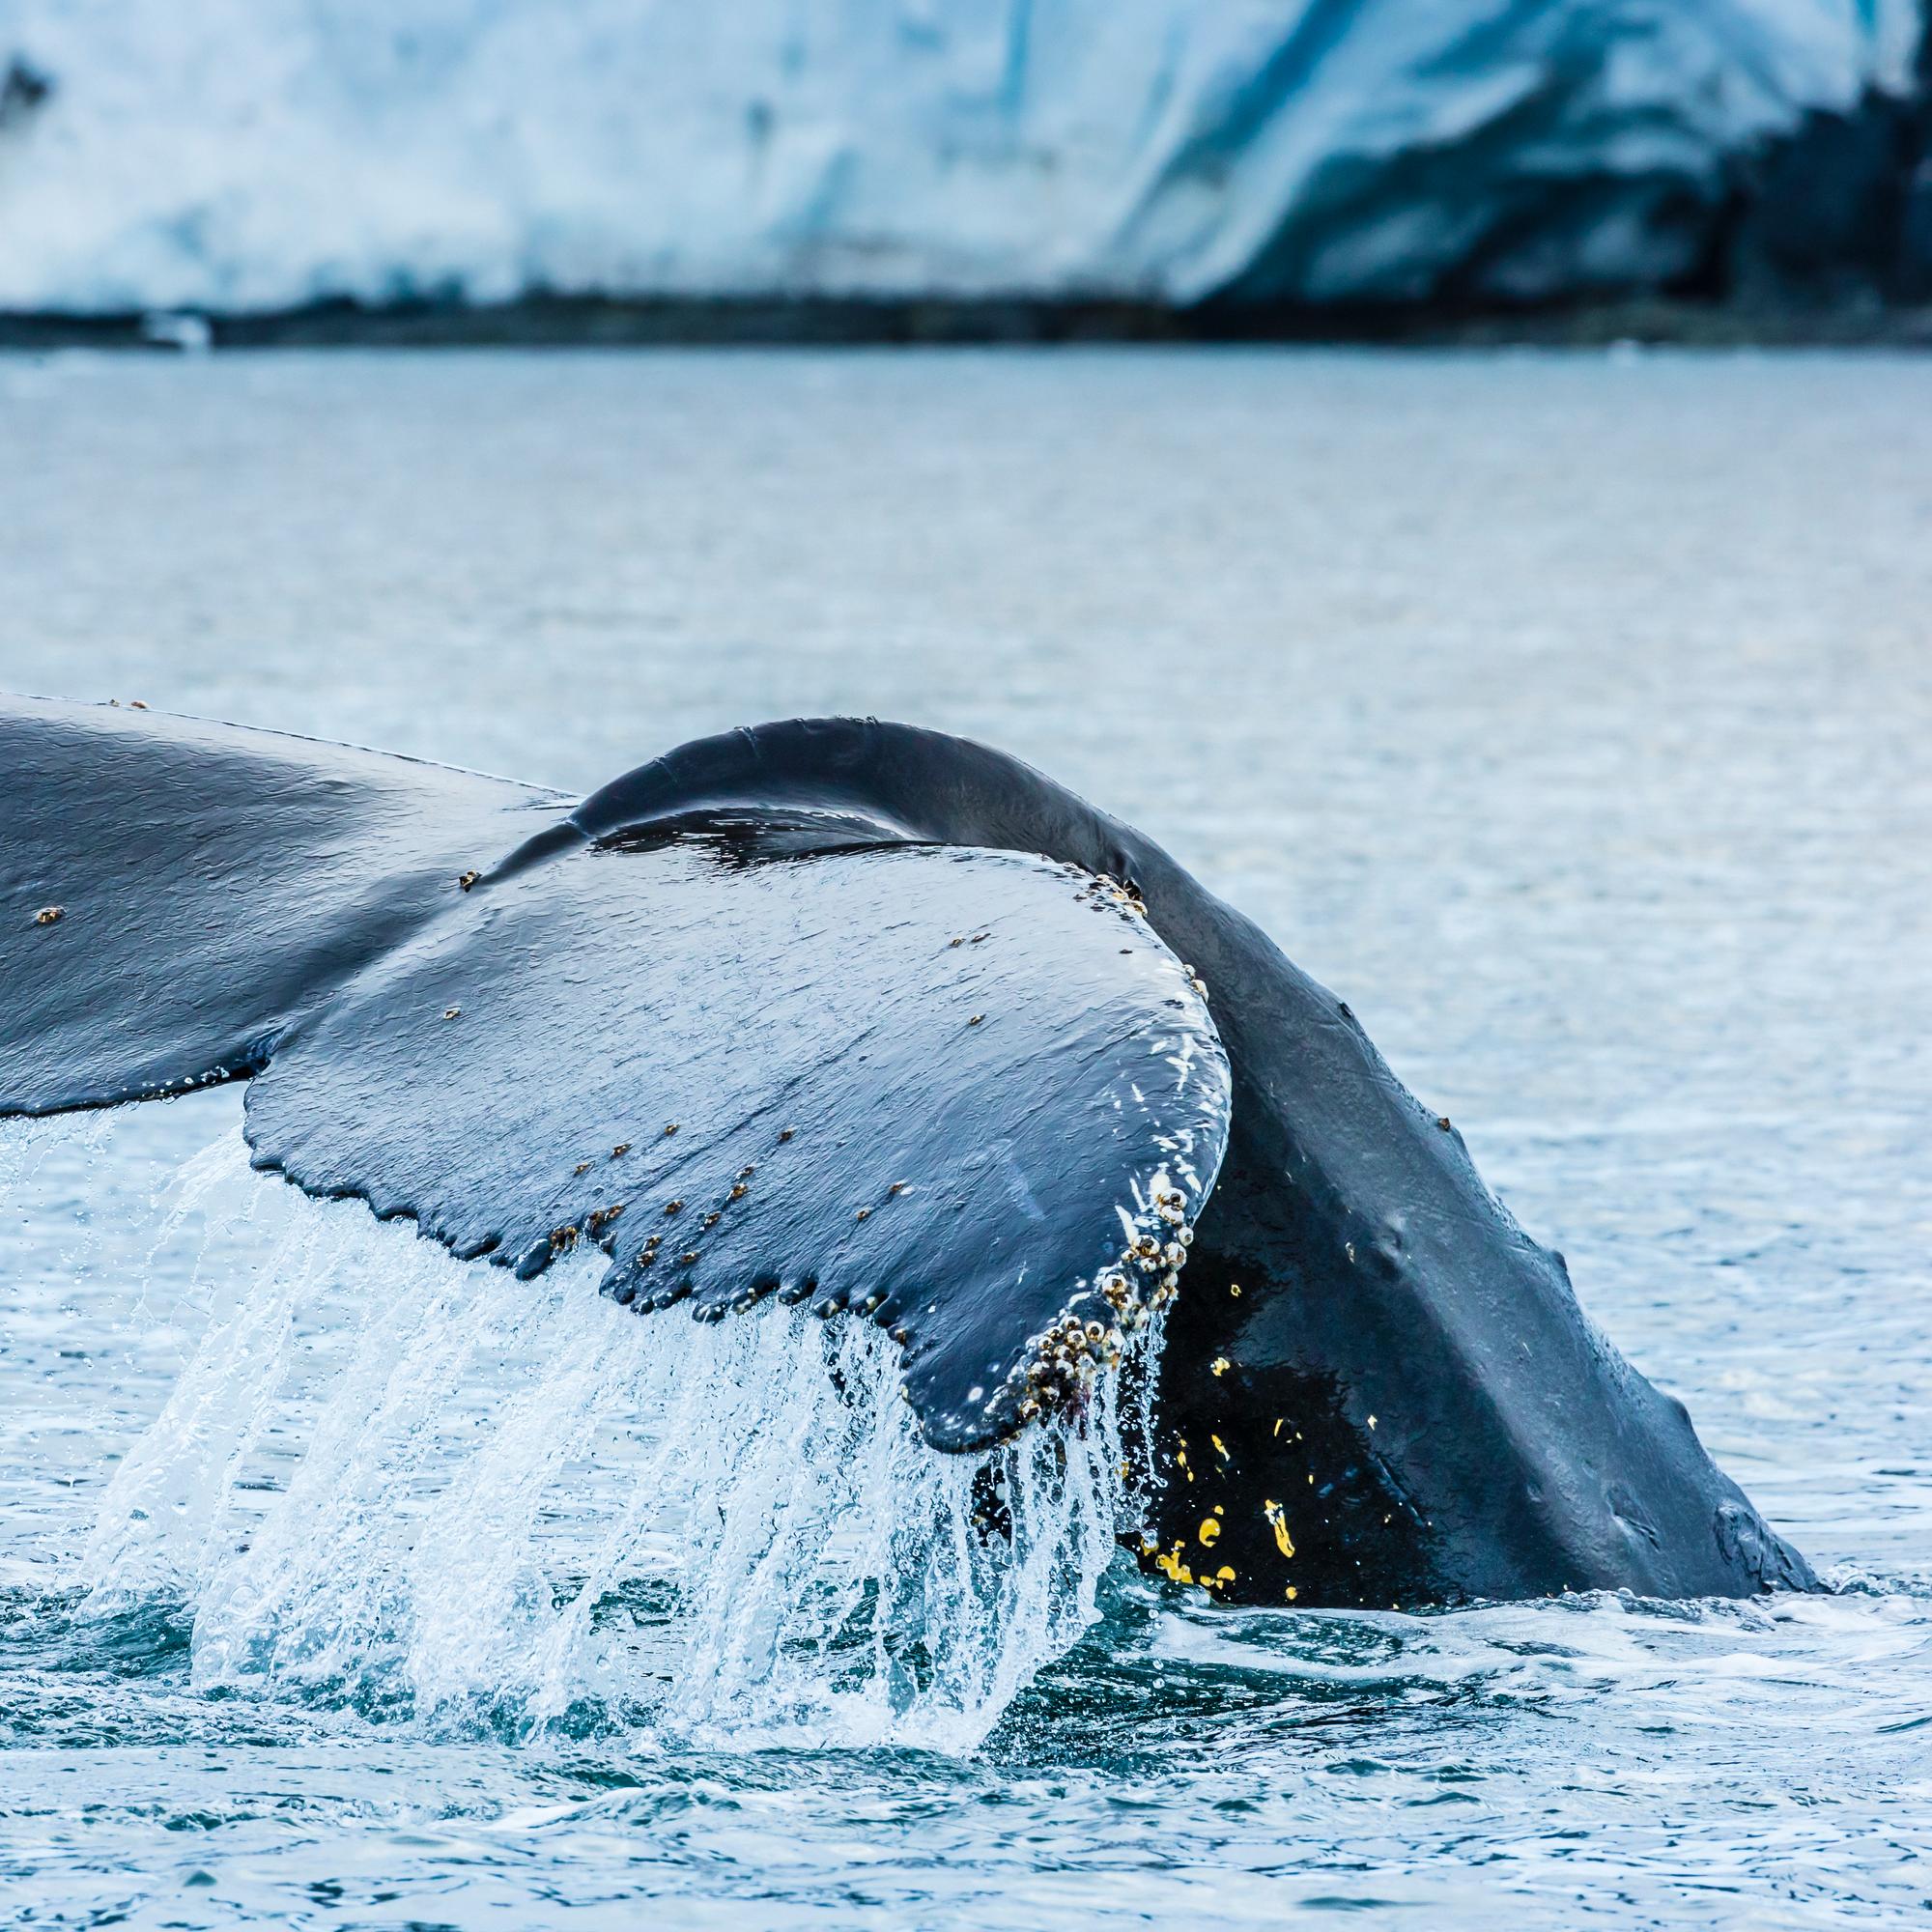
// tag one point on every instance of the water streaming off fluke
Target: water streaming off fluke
(429, 1491)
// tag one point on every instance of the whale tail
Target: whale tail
(967, 1093)
(866, 1015)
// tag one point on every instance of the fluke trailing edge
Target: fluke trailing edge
(875, 1018)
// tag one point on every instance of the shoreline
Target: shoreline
(554, 322)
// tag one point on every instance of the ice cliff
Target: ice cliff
(237, 156)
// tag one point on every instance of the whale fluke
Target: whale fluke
(208, 885)
(858, 1013)
(941, 1086)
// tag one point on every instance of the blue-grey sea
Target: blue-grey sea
(1570, 714)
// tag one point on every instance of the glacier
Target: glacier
(239, 157)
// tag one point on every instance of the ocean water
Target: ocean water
(1569, 715)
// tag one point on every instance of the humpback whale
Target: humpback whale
(882, 1021)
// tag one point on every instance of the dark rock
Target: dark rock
(1819, 214)
(1914, 272)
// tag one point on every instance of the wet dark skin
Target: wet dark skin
(897, 990)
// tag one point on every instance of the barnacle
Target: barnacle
(1061, 1361)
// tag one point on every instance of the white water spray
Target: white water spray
(428, 1490)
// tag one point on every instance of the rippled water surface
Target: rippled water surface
(1570, 716)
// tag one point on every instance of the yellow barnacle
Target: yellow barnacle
(1220, 1447)
(1224, 1574)
(1219, 1365)
(1234, 1289)
(1292, 1593)
(1209, 1529)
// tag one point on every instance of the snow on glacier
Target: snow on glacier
(232, 155)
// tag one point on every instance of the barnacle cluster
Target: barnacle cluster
(1064, 1358)
(1104, 891)
(596, 1225)
(624, 1285)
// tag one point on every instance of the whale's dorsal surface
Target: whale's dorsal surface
(875, 1016)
